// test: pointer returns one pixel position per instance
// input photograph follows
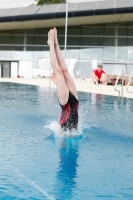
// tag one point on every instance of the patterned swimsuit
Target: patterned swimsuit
(69, 115)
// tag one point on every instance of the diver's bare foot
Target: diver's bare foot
(50, 37)
(55, 36)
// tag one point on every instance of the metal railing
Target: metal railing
(129, 83)
(84, 68)
(121, 71)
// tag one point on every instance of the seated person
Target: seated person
(99, 76)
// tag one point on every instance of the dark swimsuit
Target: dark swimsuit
(69, 115)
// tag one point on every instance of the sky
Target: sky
(15, 3)
(24, 3)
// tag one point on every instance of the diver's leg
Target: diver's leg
(62, 89)
(69, 81)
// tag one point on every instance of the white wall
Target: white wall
(14, 69)
(25, 69)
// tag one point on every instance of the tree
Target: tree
(41, 2)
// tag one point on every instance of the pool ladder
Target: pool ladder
(121, 71)
(129, 83)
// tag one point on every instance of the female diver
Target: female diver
(66, 90)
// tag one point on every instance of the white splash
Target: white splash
(57, 131)
(53, 127)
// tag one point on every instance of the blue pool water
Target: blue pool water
(37, 164)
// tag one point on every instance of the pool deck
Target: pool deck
(82, 85)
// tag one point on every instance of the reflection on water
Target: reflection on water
(67, 170)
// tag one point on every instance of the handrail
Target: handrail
(121, 71)
(129, 83)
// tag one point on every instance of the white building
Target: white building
(97, 30)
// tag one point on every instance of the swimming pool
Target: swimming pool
(38, 164)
